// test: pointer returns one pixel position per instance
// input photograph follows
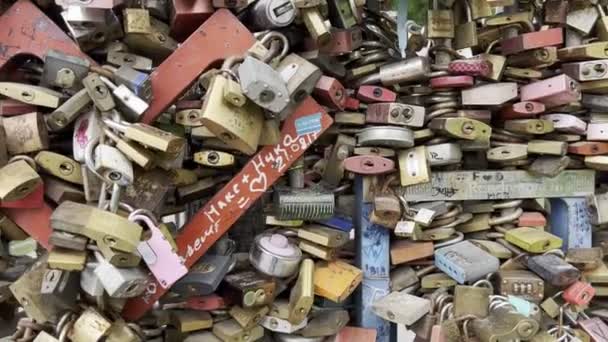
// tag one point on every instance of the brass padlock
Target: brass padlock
(17, 180)
(25, 133)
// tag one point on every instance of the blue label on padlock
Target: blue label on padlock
(465, 262)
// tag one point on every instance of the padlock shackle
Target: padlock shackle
(267, 42)
(31, 162)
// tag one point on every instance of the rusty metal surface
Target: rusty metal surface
(222, 35)
(26, 30)
(222, 211)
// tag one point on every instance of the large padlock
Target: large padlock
(120, 282)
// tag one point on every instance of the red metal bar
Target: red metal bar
(35, 222)
(221, 36)
(220, 213)
(25, 30)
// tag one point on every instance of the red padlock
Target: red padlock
(330, 92)
(554, 91)
(10, 107)
(355, 334)
(452, 82)
(531, 219)
(532, 40)
(521, 110)
(579, 293)
(205, 303)
(588, 148)
(470, 67)
(342, 41)
(371, 94)
(369, 165)
(352, 103)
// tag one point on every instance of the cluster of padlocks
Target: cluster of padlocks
(303, 171)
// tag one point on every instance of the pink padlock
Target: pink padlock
(470, 67)
(532, 40)
(579, 293)
(566, 123)
(555, 91)
(597, 131)
(452, 82)
(521, 110)
(158, 254)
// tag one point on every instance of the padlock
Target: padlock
(414, 167)
(393, 306)
(118, 258)
(68, 111)
(533, 240)
(465, 34)
(158, 253)
(395, 114)
(97, 224)
(441, 22)
(230, 330)
(386, 136)
(520, 283)
(301, 296)
(61, 288)
(507, 153)
(341, 14)
(566, 123)
(300, 77)
(595, 327)
(472, 300)
(585, 259)
(329, 91)
(274, 255)
(139, 82)
(191, 320)
(132, 105)
(326, 323)
(90, 326)
(59, 166)
(156, 44)
(579, 293)
(505, 323)
(553, 269)
(112, 165)
(529, 126)
(404, 250)
(25, 133)
(67, 259)
(204, 277)
(271, 14)
(98, 92)
(26, 291)
(571, 220)
(149, 136)
(335, 280)
(490, 94)
(249, 288)
(248, 317)
(63, 70)
(120, 282)
(17, 180)
(315, 23)
(461, 128)
(323, 235)
(211, 158)
(456, 261)
(239, 127)
(262, 84)
(279, 325)
(134, 61)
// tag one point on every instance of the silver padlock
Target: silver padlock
(301, 76)
(133, 107)
(274, 255)
(64, 71)
(281, 325)
(112, 165)
(269, 14)
(262, 84)
(120, 282)
(132, 60)
(88, 127)
(89, 281)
